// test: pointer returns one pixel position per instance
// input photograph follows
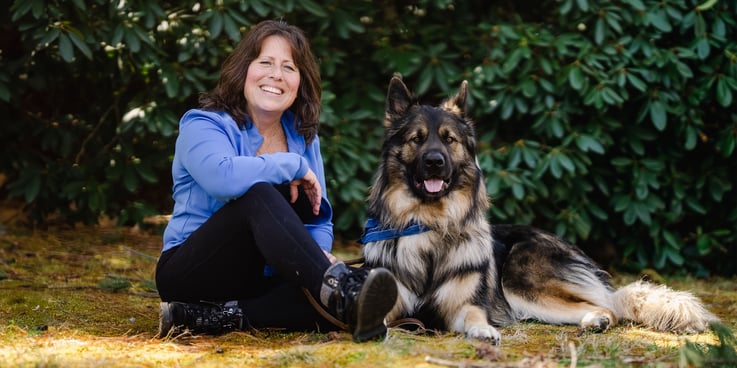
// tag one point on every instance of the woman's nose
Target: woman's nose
(276, 74)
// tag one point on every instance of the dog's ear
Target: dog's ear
(398, 99)
(457, 104)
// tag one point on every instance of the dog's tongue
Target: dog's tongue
(433, 185)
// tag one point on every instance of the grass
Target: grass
(85, 297)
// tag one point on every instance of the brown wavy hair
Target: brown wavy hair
(228, 94)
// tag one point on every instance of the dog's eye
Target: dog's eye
(450, 139)
(417, 139)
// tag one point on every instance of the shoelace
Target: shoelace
(207, 312)
(351, 283)
(349, 287)
(220, 315)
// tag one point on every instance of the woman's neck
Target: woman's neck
(269, 129)
(275, 140)
(265, 121)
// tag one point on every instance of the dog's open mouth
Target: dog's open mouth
(432, 186)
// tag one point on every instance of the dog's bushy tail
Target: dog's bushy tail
(662, 308)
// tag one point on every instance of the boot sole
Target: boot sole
(377, 297)
(166, 320)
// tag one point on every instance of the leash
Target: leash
(323, 312)
(399, 323)
(402, 322)
(355, 261)
(374, 232)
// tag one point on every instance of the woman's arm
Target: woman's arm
(209, 147)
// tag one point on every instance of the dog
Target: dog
(455, 271)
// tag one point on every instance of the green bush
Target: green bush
(609, 122)
(616, 123)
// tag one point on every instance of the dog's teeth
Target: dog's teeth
(433, 185)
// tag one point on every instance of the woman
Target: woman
(251, 232)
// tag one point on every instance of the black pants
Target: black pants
(224, 260)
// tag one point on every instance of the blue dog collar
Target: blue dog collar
(375, 232)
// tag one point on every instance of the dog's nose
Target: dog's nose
(434, 160)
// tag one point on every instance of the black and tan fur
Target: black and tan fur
(464, 275)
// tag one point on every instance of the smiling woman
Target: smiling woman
(251, 231)
(271, 84)
(264, 49)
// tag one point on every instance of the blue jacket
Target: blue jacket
(215, 162)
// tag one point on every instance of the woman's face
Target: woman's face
(272, 80)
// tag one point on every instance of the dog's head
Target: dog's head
(432, 147)
(428, 172)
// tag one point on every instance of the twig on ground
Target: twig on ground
(574, 354)
(450, 363)
(141, 254)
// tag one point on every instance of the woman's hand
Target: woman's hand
(312, 189)
(330, 256)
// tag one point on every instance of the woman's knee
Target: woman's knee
(262, 190)
(260, 197)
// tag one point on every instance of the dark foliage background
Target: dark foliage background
(609, 122)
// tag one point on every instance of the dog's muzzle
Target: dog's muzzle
(433, 177)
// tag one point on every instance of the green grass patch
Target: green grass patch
(86, 297)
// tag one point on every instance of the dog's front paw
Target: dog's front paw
(484, 332)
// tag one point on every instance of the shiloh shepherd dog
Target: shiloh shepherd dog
(427, 224)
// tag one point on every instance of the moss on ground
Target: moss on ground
(86, 297)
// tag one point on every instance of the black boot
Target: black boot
(207, 318)
(361, 298)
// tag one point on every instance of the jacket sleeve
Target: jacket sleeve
(322, 228)
(209, 152)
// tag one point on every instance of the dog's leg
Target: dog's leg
(572, 295)
(454, 302)
(558, 306)
(404, 305)
(549, 280)
(472, 321)
(598, 320)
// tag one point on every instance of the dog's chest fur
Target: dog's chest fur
(423, 262)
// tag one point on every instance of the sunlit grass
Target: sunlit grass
(523, 344)
(58, 309)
